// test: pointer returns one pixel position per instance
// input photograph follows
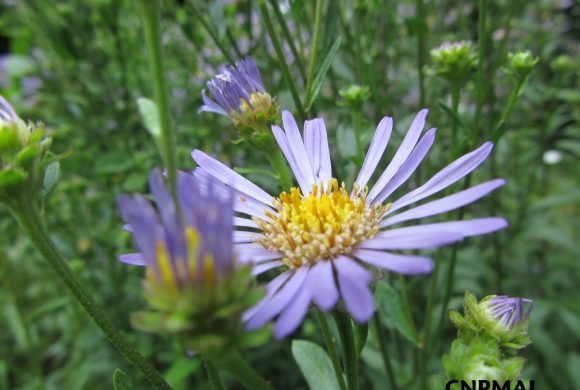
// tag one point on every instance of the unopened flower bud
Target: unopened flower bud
(354, 96)
(453, 61)
(22, 154)
(521, 64)
(238, 93)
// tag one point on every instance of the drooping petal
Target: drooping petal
(445, 204)
(375, 152)
(279, 300)
(292, 315)
(133, 259)
(403, 264)
(271, 289)
(401, 155)
(322, 286)
(254, 253)
(266, 266)
(210, 106)
(408, 167)
(229, 177)
(356, 294)
(445, 177)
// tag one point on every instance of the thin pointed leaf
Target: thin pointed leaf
(321, 74)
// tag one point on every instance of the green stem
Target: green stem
(236, 365)
(407, 306)
(210, 31)
(314, 51)
(289, 38)
(349, 357)
(451, 270)
(481, 87)
(26, 212)
(151, 13)
(421, 50)
(511, 102)
(455, 97)
(330, 348)
(356, 125)
(424, 354)
(282, 59)
(278, 163)
(213, 375)
(384, 352)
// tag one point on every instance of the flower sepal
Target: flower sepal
(202, 316)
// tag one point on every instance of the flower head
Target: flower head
(521, 64)
(238, 92)
(22, 154)
(500, 317)
(453, 61)
(192, 282)
(326, 238)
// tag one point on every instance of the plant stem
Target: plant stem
(330, 347)
(236, 365)
(424, 354)
(278, 163)
(282, 59)
(289, 38)
(314, 51)
(407, 306)
(356, 125)
(421, 49)
(213, 375)
(210, 31)
(26, 212)
(455, 97)
(481, 88)
(385, 352)
(349, 357)
(151, 15)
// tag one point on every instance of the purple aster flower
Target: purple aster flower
(239, 94)
(232, 87)
(7, 113)
(178, 251)
(508, 310)
(326, 238)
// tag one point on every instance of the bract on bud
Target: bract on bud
(453, 61)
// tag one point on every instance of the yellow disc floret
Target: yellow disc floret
(320, 225)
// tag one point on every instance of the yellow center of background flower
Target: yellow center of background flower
(320, 225)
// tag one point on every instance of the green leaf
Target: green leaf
(392, 312)
(149, 116)
(361, 332)
(498, 132)
(315, 365)
(121, 381)
(51, 176)
(321, 73)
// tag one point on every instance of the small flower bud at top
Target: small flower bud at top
(354, 96)
(453, 61)
(521, 64)
(238, 93)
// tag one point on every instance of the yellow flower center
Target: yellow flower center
(320, 225)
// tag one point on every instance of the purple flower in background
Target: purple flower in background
(326, 237)
(509, 311)
(239, 94)
(179, 252)
(231, 88)
(7, 113)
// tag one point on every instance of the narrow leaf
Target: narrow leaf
(321, 73)
(121, 381)
(51, 176)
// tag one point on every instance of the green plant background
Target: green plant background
(79, 66)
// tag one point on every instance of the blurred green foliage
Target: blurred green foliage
(80, 66)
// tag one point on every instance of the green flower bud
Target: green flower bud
(521, 64)
(23, 154)
(354, 96)
(453, 61)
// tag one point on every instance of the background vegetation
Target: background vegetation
(79, 66)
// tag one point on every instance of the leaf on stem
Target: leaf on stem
(321, 74)
(315, 365)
